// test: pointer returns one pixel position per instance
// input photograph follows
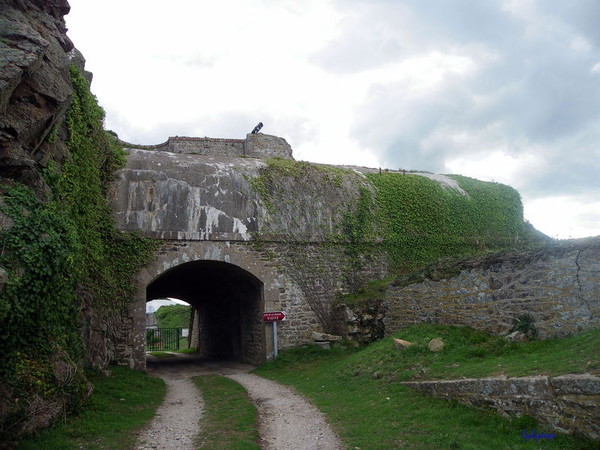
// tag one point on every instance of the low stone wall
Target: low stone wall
(567, 403)
(557, 288)
(206, 146)
(254, 146)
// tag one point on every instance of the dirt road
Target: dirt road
(286, 419)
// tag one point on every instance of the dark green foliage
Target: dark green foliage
(57, 253)
(173, 316)
(525, 324)
(39, 251)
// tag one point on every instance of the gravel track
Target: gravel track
(177, 420)
(286, 419)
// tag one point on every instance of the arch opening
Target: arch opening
(228, 302)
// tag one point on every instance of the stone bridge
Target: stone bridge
(227, 251)
(242, 234)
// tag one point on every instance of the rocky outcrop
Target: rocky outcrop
(35, 86)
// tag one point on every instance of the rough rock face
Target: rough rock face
(35, 87)
(551, 292)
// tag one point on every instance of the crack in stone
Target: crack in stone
(580, 288)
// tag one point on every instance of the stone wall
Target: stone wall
(556, 287)
(567, 403)
(257, 145)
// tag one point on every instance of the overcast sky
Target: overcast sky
(502, 90)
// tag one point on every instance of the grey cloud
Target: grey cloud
(538, 95)
(371, 35)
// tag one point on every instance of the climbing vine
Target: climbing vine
(410, 218)
(56, 253)
(423, 221)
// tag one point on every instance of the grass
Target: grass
(357, 390)
(120, 405)
(172, 353)
(229, 420)
(474, 354)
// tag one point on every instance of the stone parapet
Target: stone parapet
(256, 145)
(567, 403)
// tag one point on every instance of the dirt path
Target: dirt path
(286, 419)
(176, 422)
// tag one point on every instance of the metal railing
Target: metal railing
(162, 339)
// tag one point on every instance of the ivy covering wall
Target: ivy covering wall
(60, 253)
(361, 220)
(423, 221)
(413, 217)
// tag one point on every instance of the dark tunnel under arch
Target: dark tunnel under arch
(229, 302)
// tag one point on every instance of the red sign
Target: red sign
(274, 316)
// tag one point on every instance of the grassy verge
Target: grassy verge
(229, 420)
(358, 392)
(121, 404)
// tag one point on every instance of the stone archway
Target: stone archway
(228, 301)
(237, 283)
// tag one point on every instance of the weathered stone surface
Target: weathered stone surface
(516, 336)
(576, 383)
(183, 196)
(555, 287)
(316, 336)
(170, 196)
(436, 345)
(35, 86)
(568, 403)
(261, 145)
(364, 323)
(401, 344)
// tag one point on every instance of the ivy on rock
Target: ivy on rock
(57, 251)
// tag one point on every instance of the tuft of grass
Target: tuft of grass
(187, 350)
(358, 392)
(372, 291)
(229, 419)
(120, 405)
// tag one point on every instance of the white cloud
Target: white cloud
(564, 217)
(503, 91)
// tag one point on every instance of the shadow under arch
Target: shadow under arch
(228, 301)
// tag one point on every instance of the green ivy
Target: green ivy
(56, 253)
(40, 250)
(413, 219)
(423, 221)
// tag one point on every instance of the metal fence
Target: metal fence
(162, 339)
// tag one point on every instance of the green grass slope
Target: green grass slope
(120, 405)
(359, 393)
